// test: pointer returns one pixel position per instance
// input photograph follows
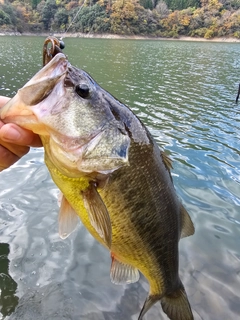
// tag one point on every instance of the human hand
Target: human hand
(15, 141)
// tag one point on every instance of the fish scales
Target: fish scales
(112, 174)
(149, 250)
(142, 207)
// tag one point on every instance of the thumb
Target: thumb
(14, 134)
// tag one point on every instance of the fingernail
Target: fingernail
(11, 135)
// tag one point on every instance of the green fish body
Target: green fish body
(112, 175)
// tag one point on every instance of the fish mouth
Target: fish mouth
(19, 109)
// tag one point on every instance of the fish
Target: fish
(112, 175)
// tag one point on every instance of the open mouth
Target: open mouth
(19, 109)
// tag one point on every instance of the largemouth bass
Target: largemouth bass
(112, 175)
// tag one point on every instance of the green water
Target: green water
(184, 92)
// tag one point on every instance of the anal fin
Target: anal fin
(187, 225)
(122, 273)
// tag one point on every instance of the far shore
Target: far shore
(116, 36)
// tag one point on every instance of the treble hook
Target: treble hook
(55, 48)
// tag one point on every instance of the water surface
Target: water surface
(184, 92)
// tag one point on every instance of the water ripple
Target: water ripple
(184, 92)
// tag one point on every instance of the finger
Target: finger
(3, 100)
(19, 151)
(15, 149)
(12, 133)
(7, 158)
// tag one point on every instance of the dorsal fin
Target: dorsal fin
(167, 162)
(187, 225)
(122, 273)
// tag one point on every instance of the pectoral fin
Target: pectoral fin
(122, 273)
(67, 218)
(187, 225)
(98, 213)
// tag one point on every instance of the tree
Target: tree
(92, 19)
(61, 18)
(48, 13)
(4, 18)
(162, 8)
(147, 4)
(164, 18)
(125, 14)
(182, 4)
(35, 3)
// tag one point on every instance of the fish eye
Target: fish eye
(82, 90)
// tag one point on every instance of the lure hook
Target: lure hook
(55, 48)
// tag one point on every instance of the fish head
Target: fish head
(74, 117)
(20, 109)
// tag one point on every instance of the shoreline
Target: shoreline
(119, 37)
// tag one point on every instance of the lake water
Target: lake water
(185, 93)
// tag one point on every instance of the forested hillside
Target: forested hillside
(157, 18)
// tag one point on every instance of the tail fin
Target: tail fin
(176, 305)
